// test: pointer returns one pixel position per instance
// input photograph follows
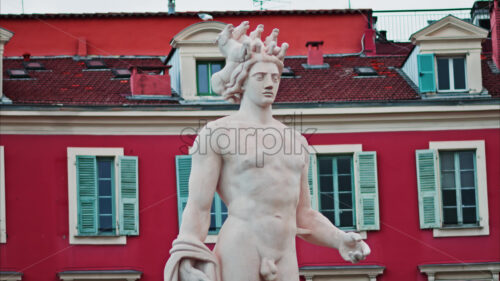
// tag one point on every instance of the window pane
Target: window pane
(346, 219)
(469, 197)
(104, 187)
(105, 205)
(203, 78)
(345, 200)
(213, 226)
(326, 201)
(447, 161)
(216, 67)
(467, 179)
(326, 183)
(466, 160)
(469, 215)
(104, 168)
(105, 223)
(449, 197)
(325, 166)
(459, 73)
(345, 183)
(443, 74)
(450, 216)
(448, 179)
(329, 215)
(344, 165)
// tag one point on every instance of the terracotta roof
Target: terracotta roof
(68, 81)
(340, 83)
(189, 14)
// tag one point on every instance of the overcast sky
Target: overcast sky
(103, 6)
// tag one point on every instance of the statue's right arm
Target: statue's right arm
(205, 170)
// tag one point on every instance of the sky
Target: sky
(104, 6)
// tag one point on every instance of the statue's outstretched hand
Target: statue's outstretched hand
(353, 248)
(187, 272)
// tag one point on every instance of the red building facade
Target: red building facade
(70, 110)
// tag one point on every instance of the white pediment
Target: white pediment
(5, 35)
(198, 33)
(451, 28)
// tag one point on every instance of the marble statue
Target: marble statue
(259, 168)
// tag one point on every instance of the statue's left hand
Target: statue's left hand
(353, 248)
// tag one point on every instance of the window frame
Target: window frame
(337, 149)
(336, 192)
(3, 224)
(210, 92)
(451, 76)
(74, 237)
(481, 189)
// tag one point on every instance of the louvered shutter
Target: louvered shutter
(128, 180)
(86, 177)
(367, 191)
(426, 76)
(183, 170)
(311, 180)
(427, 177)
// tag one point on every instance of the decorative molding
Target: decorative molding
(128, 275)
(351, 272)
(306, 120)
(461, 271)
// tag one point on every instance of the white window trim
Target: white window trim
(451, 73)
(462, 271)
(482, 190)
(335, 149)
(72, 196)
(10, 276)
(128, 275)
(3, 225)
(350, 272)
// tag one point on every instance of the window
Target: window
(218, 211)
(336, 184)
(451, 74)
(3, 230)
(448, 73)
(204, 71)
(103, 195)
(343, 186)
(10, 276)
(452, 188)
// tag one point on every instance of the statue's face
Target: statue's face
(262, 83)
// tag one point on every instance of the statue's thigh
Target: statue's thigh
(288, 269)
(239, 263)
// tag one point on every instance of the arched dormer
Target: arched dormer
(194, 59)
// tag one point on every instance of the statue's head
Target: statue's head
(242, 53)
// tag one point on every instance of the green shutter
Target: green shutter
(86, 177)
(310, 179)
(128, 180)
(367, 191)
(426, 76)
(183, 170)
(427, 177)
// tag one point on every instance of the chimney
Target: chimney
(26, 56)
(314, 53)
(495, 32)
(369, 42)
(171, 7)
(82, 47)
(148, 81)
(5, 36)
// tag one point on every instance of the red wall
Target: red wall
(152, 35)
(37, 207)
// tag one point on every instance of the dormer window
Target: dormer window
(95, 64)
(204, 72)
(451, 74)
(18, 73)
(33, 65)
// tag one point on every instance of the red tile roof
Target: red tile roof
(491, 81)
(68, 81)
(339, 83)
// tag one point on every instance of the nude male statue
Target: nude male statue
(259, 168)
